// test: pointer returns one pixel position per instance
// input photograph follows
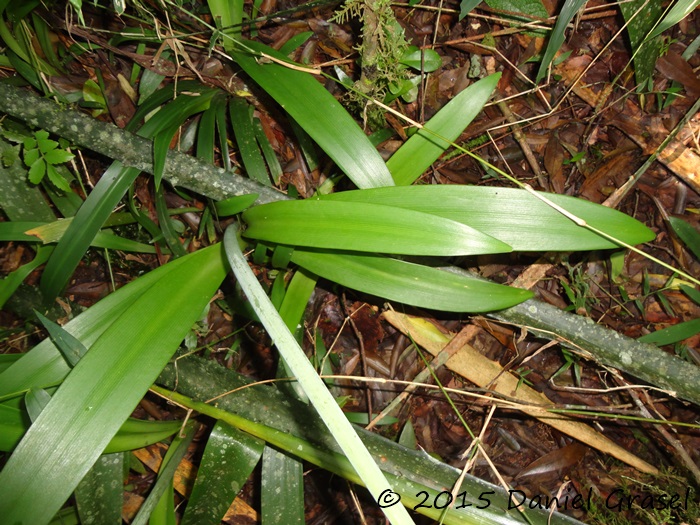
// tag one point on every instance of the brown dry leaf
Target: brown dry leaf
(555, 461)
(485, 373)
(185, 474)
(674, 67)
(617, 168)
(554, 163)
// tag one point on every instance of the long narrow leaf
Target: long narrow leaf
(409, 283)
(365, 227)
(44, 365)
(422, 149)
(313, 386)
(321, 116)
(229, 458)
(102, 390)
(511, 215)
(556, 38)
(107, 193)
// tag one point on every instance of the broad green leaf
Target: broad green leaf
(409, 283)
(44, 365)
(672, 334)
(687, 234)
(678, 12)
(365, 227)
(425, 60)
(313, 386)
(100, 495)
(282, 493)
(319, 114)
(102, 390)
(422, 149)
(58, 156)
(556, 38)
(234, 205)
(511, 215)
(640, 16)
(229, 458)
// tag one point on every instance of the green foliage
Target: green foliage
(556, 38)
(101, 391)
(641, 16)
(42, 155)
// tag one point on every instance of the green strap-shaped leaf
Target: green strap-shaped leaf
(313, 386)
(319, 114)
(422, 149)
(132, 435)
(44, 365)
(159, 507)
(409, 283)
(365, 227)
(229, 458)
(100, 495)
(282, 494)
(511, 215)
(109, 190)
(103, 388)
(556, 38)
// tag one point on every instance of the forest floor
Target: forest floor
(584, 131)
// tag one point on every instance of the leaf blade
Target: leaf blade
(365, 227)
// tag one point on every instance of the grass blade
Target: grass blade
(102, 390)
(422, 149)
(319, 114)
(365, 227)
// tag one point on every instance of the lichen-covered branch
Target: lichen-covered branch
(131, 150)
(644, 361)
